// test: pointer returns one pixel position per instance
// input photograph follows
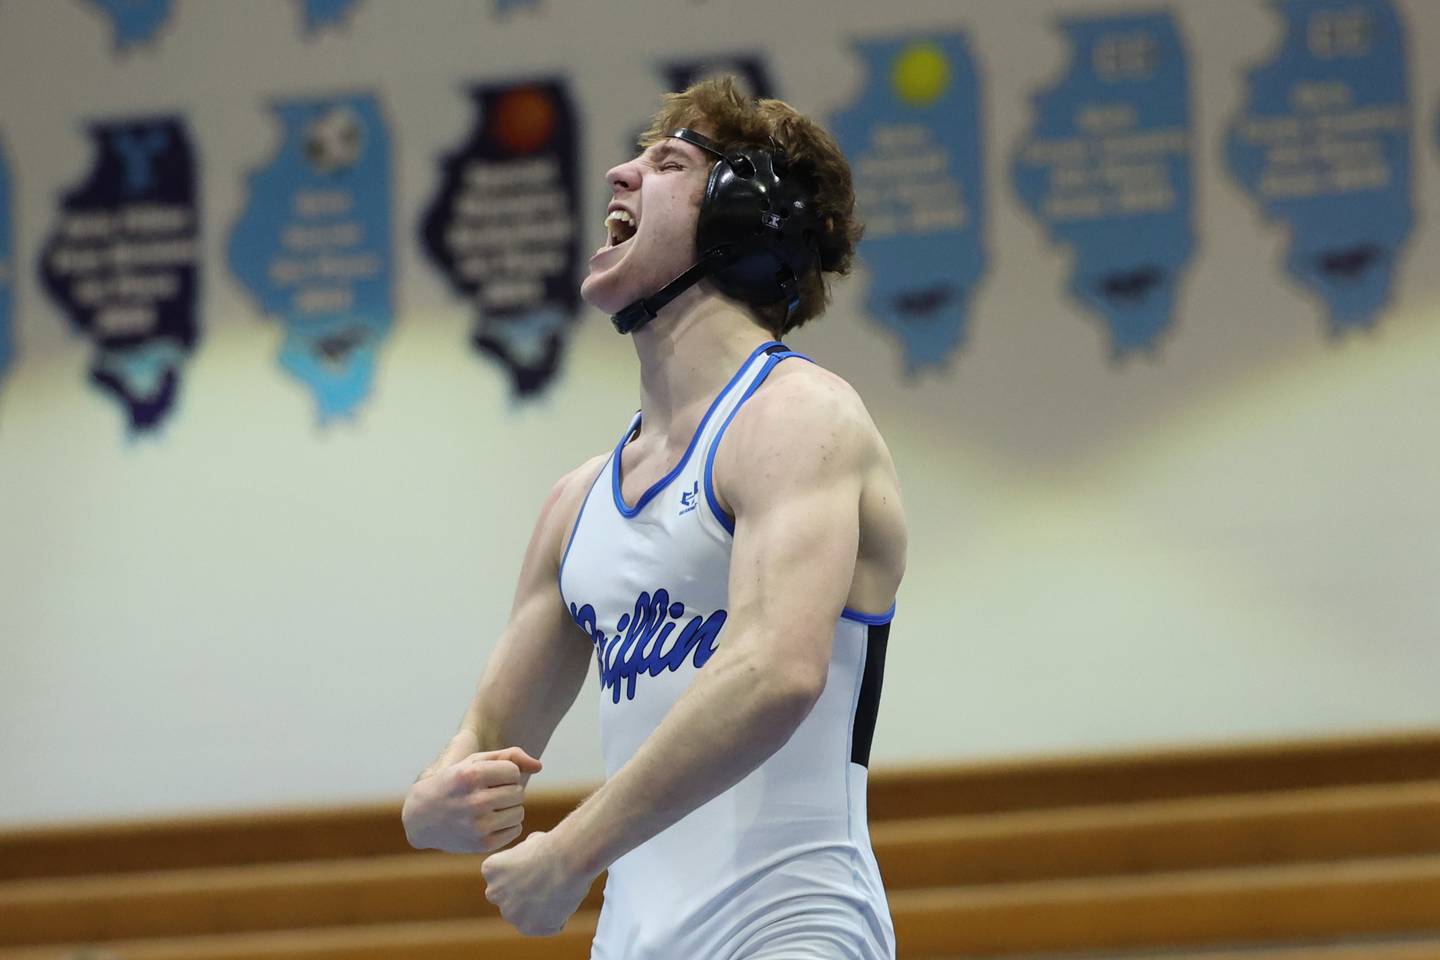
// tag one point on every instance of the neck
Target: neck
(687, 355)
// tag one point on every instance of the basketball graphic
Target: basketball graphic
(524, 119)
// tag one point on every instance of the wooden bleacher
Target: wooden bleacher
(1311, 851)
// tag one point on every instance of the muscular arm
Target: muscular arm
(793, 467)
(540, 660)
(471, 799)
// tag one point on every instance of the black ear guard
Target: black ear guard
(757, 233)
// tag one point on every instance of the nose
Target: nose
(623, 177)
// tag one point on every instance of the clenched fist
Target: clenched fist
(475, 805)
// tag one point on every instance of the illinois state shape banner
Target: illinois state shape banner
(1106, 168)
(504, 8)
(913, 140)
(313, 246)
(135, 22)
(1323, 147)
(321, 14)
(503, 228)
(752, 78)
(123, 262)
(748, 69)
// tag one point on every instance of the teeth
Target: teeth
(619, 227)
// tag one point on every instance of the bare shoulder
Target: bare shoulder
(804, 442)
(576, 483)
(562, 506)
(804, 425)
(805, 409)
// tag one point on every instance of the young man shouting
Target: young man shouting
(731, 566)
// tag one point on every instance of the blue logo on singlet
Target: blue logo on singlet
(639, 644)
(689, 499)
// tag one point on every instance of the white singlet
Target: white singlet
(780, 865)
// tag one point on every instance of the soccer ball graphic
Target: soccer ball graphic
(334, 140)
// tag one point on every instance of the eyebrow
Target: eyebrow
(665, 148)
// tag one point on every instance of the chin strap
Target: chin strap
(642, 311)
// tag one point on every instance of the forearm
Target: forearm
(460, 746)
(474, 736)
(733, 717)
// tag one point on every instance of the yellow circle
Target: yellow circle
(921, 74)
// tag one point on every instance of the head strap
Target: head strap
(698, 140)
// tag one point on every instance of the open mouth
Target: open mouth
(619, 227)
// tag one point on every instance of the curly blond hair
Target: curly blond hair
(722, 112)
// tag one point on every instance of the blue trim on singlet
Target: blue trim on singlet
(716, 510)
(728, 522)
(560, 574)
(663, 482)
(874, 619)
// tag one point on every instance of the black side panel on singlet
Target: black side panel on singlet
(868, 706)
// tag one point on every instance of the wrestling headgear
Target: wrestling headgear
(757, 234)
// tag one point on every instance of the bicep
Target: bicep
(796, 496)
